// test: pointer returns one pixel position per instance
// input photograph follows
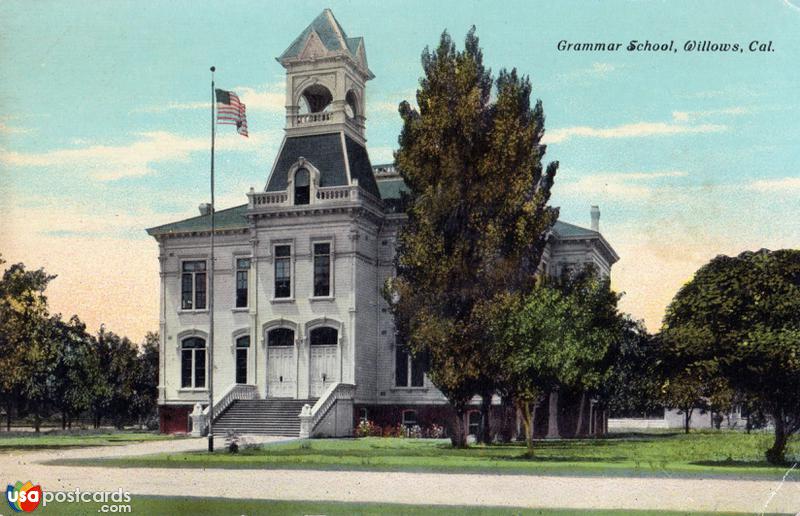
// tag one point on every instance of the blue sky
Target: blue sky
(104, 126)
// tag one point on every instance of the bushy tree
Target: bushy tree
(634, 384)
(72, 382)
(477, 214)
(26, 350)
(118, 359)
(739, 319)
(562, 335)
(145, 381)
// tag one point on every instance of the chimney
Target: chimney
(205, 208)
(595, 218)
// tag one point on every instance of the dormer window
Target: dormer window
(302, 186)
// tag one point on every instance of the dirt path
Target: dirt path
(420, 488)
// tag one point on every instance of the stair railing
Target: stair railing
(233, 393)
(311, 417)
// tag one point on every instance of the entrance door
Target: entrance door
(324, 366)
(281, 364)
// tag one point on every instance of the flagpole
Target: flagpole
(211, 284)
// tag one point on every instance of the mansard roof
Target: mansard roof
(327, 154)
(567, 230)
(227, 219)
(391, 186)
(331, 35)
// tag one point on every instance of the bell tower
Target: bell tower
(326, 74)
(324, 146)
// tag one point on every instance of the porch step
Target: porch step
(271, 416)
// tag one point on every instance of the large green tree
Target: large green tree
(561, 336)
(26, 349)
(76, 370)
(477, 213)
(633, 385)
(739, 319)
(145, 381)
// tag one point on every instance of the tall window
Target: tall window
(193, 285)
(283, 337)
(302, 188)
(474, 422)
(193, 363)
(283, 271)
(409, 371)
(409, 418)
(322, 270)
(324, 336)
(242, 271)
(242, 346)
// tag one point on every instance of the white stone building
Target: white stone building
(299, 317)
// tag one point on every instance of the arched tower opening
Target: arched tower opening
(315, 99)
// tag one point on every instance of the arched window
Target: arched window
(409, 418)
(324, 336)
(242, 346)
(315, 99)
(193, 363)
(302, 186)
(351, 107)
(280, 337)
(474, 422)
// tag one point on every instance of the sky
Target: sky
(105, 126)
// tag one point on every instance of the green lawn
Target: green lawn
(76, 439)
(153, 505)
(697, 454)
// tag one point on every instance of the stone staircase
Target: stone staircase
(271, 416)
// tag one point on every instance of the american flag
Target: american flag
(231, 111)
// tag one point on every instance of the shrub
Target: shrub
(435, 432)
(413, 432)
(232, 441)
(368, 429)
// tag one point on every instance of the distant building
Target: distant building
(299, 316)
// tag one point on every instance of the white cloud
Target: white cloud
(8, 129)
(686, 116)
(380, 155)
(111, 162)
(784, 185)
(596, 70)
(634, 130)
(269, 97)
(383, 107)
(617, 185)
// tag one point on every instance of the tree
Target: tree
(747, 310)
(563, 335)
(118, 360)
(25, 341)
(633, 385)
(477, 214)
(76, 370)
(145, 381)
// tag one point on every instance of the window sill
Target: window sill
(409, 389)
(203, 311)
(241, 309)
(321, 298)
(282, 300)
(190, 390)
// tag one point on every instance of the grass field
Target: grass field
(73, 439)
(705, 454)
(152, 505)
